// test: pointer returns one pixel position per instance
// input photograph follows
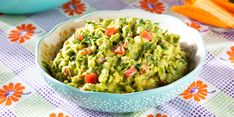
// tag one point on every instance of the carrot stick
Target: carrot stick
(225, 4)
(199, 15)
(216, 10)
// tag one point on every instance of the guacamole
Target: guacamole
(121, 55)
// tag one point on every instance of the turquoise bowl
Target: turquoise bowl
(191, 41)
(28, 6)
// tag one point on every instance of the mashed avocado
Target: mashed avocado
(121, 55)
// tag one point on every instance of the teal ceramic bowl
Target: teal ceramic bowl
(191, 41)
(28, 6)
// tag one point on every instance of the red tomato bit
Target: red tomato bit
(146, 35)
(80, 37)
(110, 31)
(91, 78)
(120, 50)
(130, 72)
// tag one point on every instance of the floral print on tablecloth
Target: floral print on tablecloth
(157, 115)
(60, 114)
(230, 53)
(154, 6)
(196, 25)
(74, 7)
(11, 93)
(22, 33)
(197, 91)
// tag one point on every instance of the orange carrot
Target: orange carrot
(189, 1)
(216, 10)
(225, 4)
(199, 15)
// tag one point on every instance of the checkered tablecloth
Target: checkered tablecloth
(24, 93)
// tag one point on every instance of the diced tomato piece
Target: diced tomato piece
(130, 72)
(146, 35)
(91, 78)
(86, 51)
(110, 31)
(120, 50)
(80, 37)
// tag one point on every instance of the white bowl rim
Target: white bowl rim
(157, 89)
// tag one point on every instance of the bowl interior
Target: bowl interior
(190, 41)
